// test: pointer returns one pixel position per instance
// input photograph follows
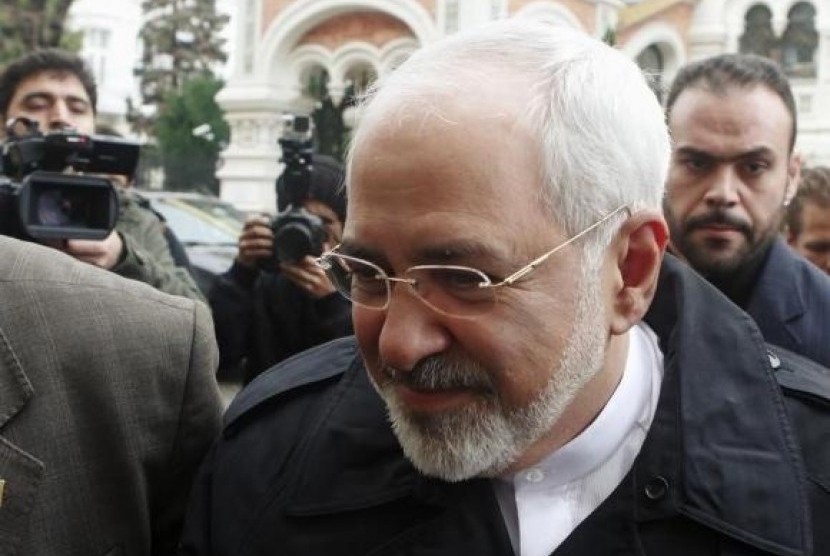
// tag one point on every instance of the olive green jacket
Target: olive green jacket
(146, 255)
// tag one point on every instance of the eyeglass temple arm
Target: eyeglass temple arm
(321, 260)
(535, 263)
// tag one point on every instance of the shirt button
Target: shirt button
(656, 488)
(534, 476)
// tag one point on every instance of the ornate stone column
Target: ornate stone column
(251, 161)
(707, 34)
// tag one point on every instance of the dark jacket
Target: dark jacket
(791, 304)
(147, 251)
(263, 318)
(308, 464)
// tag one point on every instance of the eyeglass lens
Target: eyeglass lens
(450, 290)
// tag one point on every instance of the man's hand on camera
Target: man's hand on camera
(104, 253)
(256, 241)
(309, 277)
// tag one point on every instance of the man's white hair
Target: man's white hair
(600, 128)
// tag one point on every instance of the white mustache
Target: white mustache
(441, 373)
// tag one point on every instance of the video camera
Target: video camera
(297, 232)
(38, 200)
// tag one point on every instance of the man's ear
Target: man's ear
(638, 252)
(793, 177)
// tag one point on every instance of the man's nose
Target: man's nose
(59, 116)
(411, 330)
(724, 188)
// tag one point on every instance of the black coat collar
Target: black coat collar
(733, 458)
(779, 295)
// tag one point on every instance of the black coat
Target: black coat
(790, 303)
(308, 464)
(262, 318)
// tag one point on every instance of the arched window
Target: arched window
(653, 65)
(397, 61)
(758, 37)
(315, 83)
(358, 78)
(800, 41)
(328, 121)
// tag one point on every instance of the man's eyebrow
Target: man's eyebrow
(449, 252)
(73, 98)
(753, 152)
(756, 152)
(354, 249)
(37, 95)
(692, 151)
(43, 95)
(460, 251)
(823, 244)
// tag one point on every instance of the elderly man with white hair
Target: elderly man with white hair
(528, 375)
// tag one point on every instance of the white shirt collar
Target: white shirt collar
(543, 504)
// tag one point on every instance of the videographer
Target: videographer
(55, 89)
(263, 316)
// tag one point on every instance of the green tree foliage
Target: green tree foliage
(181, 41)
(29, 24)
(189, 160)
(182, 45)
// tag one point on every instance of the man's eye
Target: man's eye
(453, 279)
(755, 167)
(818, 248)
(78, 107)
(367, 281)
(36, 104)
(695, 164)
(360, 272)
(363, 273)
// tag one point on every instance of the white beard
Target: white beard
(484, 439)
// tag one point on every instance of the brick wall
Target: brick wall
(372, 27)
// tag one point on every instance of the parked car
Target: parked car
(207, 227)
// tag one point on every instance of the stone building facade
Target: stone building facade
(111, 47)
(296, 56)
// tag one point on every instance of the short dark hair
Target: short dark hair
(327, 185)
(813, 188)
(718, 73)
(45, 60)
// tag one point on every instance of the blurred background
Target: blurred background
(204, 84)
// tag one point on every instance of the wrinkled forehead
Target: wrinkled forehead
(476, 92)
(442, 126)
(58, 81)
(444, 163)
(437, 110)
(754, 111)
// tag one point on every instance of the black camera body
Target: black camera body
(297, 232)
(38, 200)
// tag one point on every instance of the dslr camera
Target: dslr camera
(297, 232)
(40, 200)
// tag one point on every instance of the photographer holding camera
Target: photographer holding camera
(275, 301)
(54, 89)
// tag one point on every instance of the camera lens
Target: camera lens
(293, 242)
(56, 208)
